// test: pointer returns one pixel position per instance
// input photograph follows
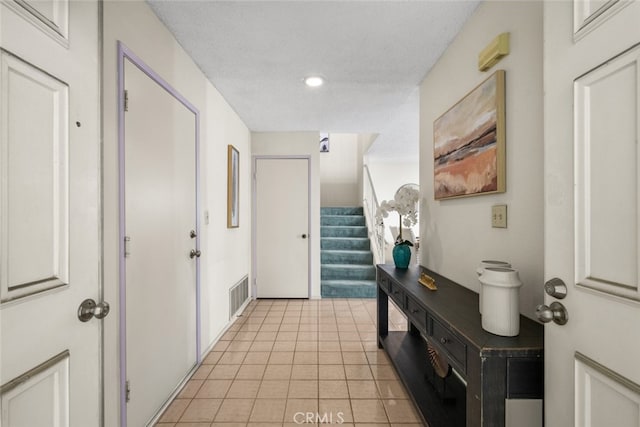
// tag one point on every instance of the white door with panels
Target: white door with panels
(592, 213)
(50, 372)
(161, 244)
(281, 234)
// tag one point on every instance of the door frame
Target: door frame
(124, 53)
(254, 211)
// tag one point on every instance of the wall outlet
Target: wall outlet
(499, 216)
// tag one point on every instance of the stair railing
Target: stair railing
(370, 203)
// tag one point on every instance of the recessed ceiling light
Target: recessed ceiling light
(314, 81)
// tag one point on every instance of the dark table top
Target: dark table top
(457, 306)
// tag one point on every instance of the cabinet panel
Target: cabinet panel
(525, 378)
(417, 314)
(383, 281)
(445, 339)
(397, 295)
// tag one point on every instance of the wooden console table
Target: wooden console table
(503, 375)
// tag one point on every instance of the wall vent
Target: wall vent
(238, 295)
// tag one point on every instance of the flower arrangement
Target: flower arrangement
(405, 202)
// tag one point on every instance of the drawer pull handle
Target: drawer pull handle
(414, 311)
(443, 340)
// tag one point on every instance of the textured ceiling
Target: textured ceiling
(373, 55)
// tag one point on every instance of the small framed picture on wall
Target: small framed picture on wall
(233, 187)
(324, 142)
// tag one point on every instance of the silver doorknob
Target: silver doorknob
(194, 253)
(88, 309)
(555, 312)
(192, 234)
(556, 288)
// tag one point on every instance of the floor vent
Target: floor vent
(238, 295)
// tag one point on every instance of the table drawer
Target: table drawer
(417, 314)
(383, 281)
(447, 340)
(397, 294)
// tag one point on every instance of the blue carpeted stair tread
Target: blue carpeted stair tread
(345, 243)
(347, 269)
(348, 288)
(343, 231)
(342, 211)
(344, 256)
(345, 251)
(339, 220)
(349, 282)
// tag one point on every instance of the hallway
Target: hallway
(292, 362)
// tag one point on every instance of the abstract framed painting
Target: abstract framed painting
(233, 187)
(469, 143)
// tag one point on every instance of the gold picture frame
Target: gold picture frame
(469, 143)
(233, 187)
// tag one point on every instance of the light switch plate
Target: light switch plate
(499, 216)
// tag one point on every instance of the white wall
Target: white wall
(226, 252)
(456, 234)
(298, 143)
(387, 177)
(367, 140)
(341, 171)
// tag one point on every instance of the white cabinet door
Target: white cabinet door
(50, 371)
(282, 227)
(592, 211)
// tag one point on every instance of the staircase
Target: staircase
(347, 269)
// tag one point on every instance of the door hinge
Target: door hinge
(127, 391)
(127, 246)
(126, 100)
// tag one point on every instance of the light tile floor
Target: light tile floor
(296, 362)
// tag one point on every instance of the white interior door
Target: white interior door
(282, 227)
(50, 371)
(592, 208)
(160, 201)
